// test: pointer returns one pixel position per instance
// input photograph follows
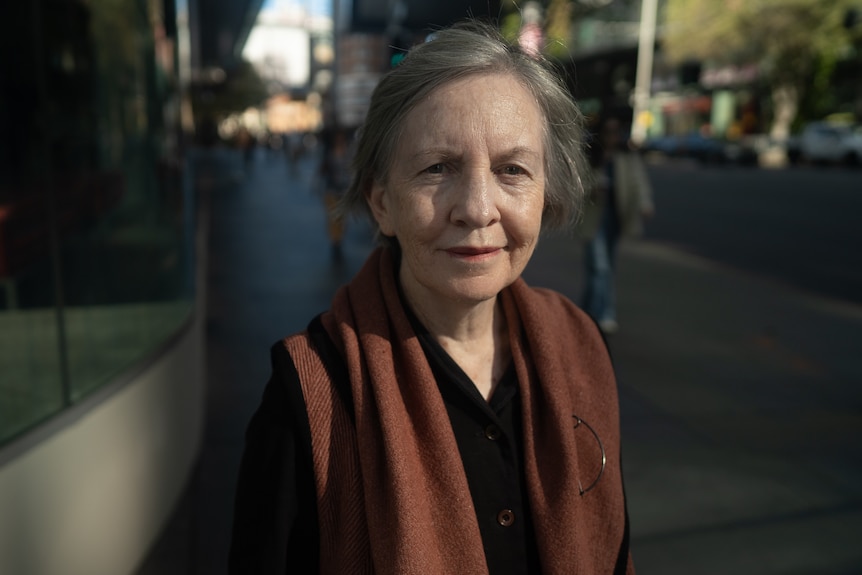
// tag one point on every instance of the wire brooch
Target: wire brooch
(578, 422)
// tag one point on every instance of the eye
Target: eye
(435, 169)
(512, 170)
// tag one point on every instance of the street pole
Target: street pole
(331, 102)
(643, 77)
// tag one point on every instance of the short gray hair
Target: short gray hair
(466, 49)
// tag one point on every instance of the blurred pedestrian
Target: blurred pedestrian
(293, 149)
(246, 142)
(619, 199)
(335, 178)
(443, 416)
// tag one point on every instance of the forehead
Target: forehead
(487, 103)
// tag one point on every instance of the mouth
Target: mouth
(469, 252)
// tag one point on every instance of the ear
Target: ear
(379, 201)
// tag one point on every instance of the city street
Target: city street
(737, 358)
(799, 226)
(739, 371)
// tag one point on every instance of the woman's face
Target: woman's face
(466, 190)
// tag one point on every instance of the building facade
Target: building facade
(101, 383)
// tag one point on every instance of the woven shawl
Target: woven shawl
(392, 493)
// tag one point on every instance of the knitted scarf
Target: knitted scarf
(392, 493)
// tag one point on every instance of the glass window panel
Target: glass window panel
(125, 277)
(96, 223)
(30, 377)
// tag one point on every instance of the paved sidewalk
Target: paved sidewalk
(740, 397)
(741, 418)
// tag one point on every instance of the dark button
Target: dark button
(506, 517)
(493, 432)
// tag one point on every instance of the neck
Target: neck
(475, 336)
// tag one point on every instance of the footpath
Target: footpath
(741, 400)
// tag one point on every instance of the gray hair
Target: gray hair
(466, 49)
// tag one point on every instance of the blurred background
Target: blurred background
(163, 222)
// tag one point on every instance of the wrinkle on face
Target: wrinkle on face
(468, 170)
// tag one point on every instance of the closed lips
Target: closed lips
(472, 251)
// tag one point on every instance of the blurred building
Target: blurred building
(362, 60)
(290, 45)
(101, 303)
(292, 51)
(693, 97)
(601, 60)
(279, 47)
(602, 68)
(371, 33)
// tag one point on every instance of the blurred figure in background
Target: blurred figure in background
(293, 149)
(335, 176)
(619, 200)
(246, 143)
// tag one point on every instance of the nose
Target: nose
(475, 202)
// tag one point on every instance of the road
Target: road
(738, 364)
(800, 226)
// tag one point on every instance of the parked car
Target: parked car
(692, 145)
(823, 142)
(793, 146)
(741, 151)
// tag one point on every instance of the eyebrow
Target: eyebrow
(447, 153)
(521, 151)
(439, 152)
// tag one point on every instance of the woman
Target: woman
(442, 416)
(621, 198)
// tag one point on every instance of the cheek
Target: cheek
(399, 214)
(384, 222)
(527, 216)
(415, 216)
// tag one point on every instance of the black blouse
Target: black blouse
(275, 528)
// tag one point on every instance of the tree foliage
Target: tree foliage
(796, 43)
(787, 36)
(241, 89)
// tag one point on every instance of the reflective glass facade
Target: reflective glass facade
(96, 217)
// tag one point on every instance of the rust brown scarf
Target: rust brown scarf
(392, 493)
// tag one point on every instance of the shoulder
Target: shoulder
(553, 300)
(305, 356)
(309, 352)
(312, 365)
(567, 315)
(564, 329)
(281, 410)
(275, 525)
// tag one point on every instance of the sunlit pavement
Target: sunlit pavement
(741, 415)
(740, 398)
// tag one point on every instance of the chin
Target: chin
(478, 291)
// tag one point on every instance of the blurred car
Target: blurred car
(823, 142)
(692, 145)
(794, 150)
(741, 151)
